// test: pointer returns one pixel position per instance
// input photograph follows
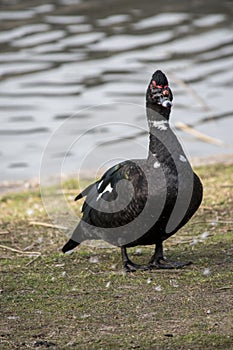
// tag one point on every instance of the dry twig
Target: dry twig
(45, 224)
(32, 261)
(19, 251)
(4, 232)
(205, 138)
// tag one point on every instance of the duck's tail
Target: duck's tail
(69, 246)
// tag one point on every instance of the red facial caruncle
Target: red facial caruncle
(154, 86)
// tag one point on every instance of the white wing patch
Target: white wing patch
(100, 184)
(108, 188)
(182, 158)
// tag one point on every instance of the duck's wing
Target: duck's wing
(98, 187)
(111, 202)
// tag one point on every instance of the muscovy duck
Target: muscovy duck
(143, 201)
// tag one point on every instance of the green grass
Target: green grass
(70, 302)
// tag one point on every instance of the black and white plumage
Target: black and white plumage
(143, 201)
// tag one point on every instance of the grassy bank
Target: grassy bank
(85, 301)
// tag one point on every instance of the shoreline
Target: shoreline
(7, 186)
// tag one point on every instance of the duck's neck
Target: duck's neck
(157, 117)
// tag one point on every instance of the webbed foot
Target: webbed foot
(129, 266)
(158, 261)
(162, 263)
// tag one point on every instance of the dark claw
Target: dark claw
(131, 267)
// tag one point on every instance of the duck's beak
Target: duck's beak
(166, 102)
(166, 98)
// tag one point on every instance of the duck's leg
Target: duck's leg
(159, 261)
(128, 265)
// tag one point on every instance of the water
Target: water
(64, 57)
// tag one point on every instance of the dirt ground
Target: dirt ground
(86, 301)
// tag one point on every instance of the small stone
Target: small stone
(174, 283)
(206, 271)
(138, 251)
(40, 239)
(13, 317)
(94, 260)
(108, 284)
(194, 241)
(29, 212)
(44, 343)
(204, 235)
(214, 223)
(158, 288)
(72, 343)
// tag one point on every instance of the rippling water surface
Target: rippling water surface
(63, 58)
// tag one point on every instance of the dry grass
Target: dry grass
(74, 302)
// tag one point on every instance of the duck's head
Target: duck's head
(158, 92)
